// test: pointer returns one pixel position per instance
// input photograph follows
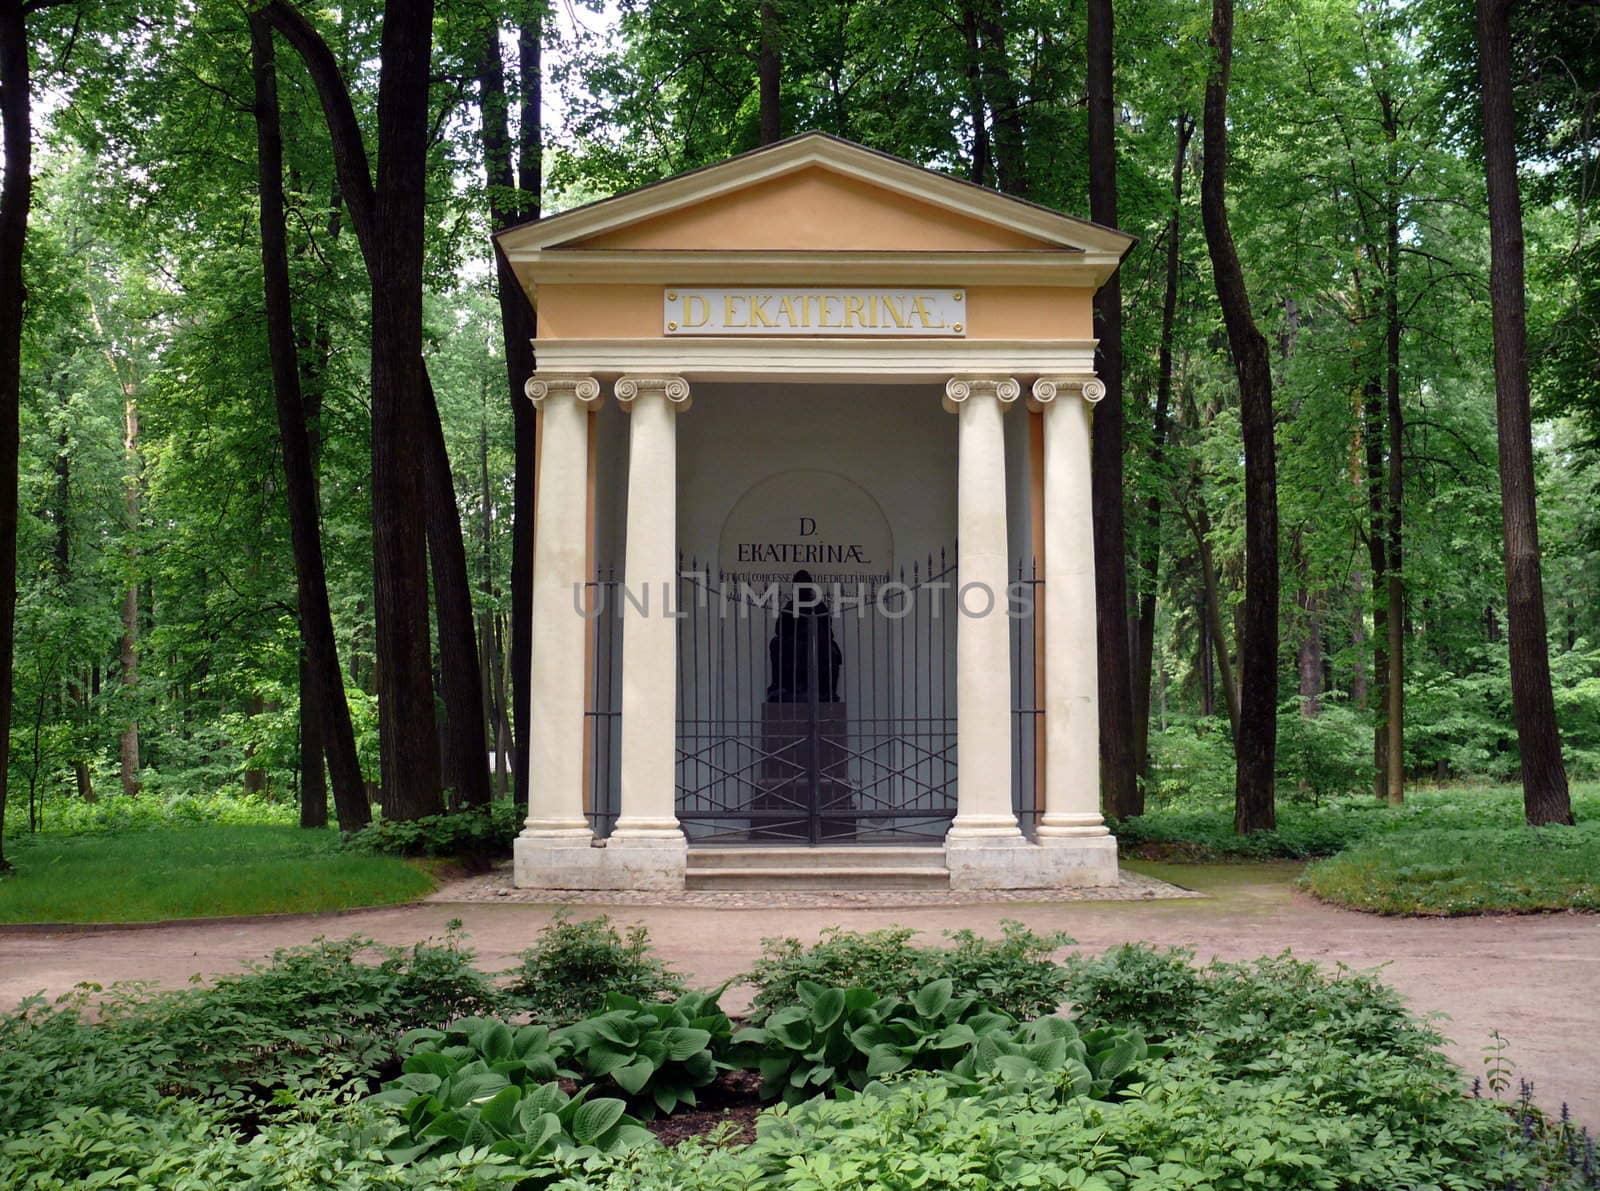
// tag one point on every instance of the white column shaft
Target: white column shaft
(1071, 677)
(556, 686)
(983, 641)
(650, 636)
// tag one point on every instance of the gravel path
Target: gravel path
(1532, 978)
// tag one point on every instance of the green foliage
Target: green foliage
(1154, 990)
(62, 815)
(478, 834)
(1466, 872)
(1201, 828)
(482, 1086)
(657, 1054)
(325, 1014)
(839, 1039)
(197, 872)
(574, 966)
(1280, 1074)
(1015, 973)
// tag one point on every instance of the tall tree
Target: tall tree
(1545, 796)
(1119, 784)
(16, 197)
(769, 69)
(387, 212)
(513, 174)
(330, 711)
(1255, 744)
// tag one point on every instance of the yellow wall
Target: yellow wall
(993, 312)
(815, 209)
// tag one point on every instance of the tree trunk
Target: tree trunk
(320, 674)
(769, 68)
(16, 196)
(1372, 434)
(515, 199)
(1309, 654)
(388, 216)
(982, 164)
(1150, 551)
(1119, 783)
(1000, 88)
(1255, 744)
(128, 645)
(1200, 526)
(313, 747)
(465, 737)
(1545, 796)
(1394, 590)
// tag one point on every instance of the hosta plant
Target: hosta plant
(657, 1054)
(838, 1037)
(447, 1107)
(1100, 1064)
(526, 1055)
(930, 1030)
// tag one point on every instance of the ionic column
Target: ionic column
(556, 728)
(983, 641)
(650, 633)
(1071, 691)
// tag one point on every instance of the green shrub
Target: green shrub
(62, 815)
(838, 1039)
(1015, 973)
(330, 1013)
(477, 835)
(1154, 990)
(573, 966)
(486, 1096)
(657, 1054)
(1470, 871)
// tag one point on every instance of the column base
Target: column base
(1001, 830)
(1070, 826)
(543, 861)
(1053, 863)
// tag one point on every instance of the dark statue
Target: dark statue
(803, 638)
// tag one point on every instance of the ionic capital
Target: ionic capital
(957, 389)
(544, 386)
(674, 389)
(1046, 388)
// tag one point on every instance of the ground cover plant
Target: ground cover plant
(343, 1065)
(1015, 973)
(197, 871)
(1475, 871)
(1196, 827)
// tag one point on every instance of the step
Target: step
(783, 858)
(800, 876)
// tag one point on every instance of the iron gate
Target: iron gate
(833, 722)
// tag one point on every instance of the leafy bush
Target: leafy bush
(1015, 973)
(477, 835)
(313, 1016)
(1466, 872)
(573, 966)
(1286, 1076)
(657, 1054)
(1154, 990)
(839, 1039)
(1102, 1064)
(486, 1095)
(1202, 829)
(62, 815)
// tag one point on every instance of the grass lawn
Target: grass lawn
(196, 872)
(1452, 850)
(1511, 869)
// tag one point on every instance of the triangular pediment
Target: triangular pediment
(815, 193)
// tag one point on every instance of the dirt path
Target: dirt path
(1533, 979)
